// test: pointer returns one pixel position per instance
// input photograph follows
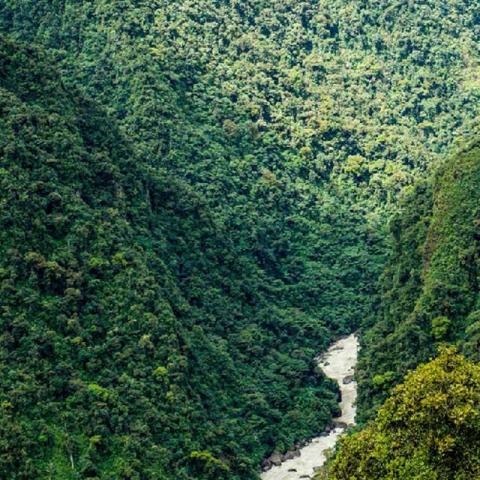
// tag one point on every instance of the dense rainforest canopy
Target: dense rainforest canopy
(194, 202)
(138, 340)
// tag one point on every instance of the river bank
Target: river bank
(338, 363)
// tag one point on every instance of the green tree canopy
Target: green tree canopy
(429, 428)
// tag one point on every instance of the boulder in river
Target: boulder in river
(339, 424)
(276, 458)
(348, 379)
(290, 455)
(266, 465)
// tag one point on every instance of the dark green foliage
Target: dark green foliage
(430, 286)
(134, 331)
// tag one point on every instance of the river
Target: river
(338, 363)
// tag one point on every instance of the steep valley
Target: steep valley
(198, 197)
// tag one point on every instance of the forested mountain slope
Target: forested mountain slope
(137, 340)
(428, 427)
(207, 92)
(111, 365)
(430, 288)
(194, 196)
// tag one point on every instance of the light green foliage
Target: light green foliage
(440, 328)
(209, 464)
(428, 429)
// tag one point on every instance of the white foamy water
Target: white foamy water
(338, 363)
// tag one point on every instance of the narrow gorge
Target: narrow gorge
(338, 363)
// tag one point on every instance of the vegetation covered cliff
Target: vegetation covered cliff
(428, 427)
(430, 288)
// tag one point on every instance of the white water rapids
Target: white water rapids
(338, 363)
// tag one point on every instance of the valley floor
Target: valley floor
(338, 363)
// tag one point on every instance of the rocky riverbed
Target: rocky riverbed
(338, 363)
